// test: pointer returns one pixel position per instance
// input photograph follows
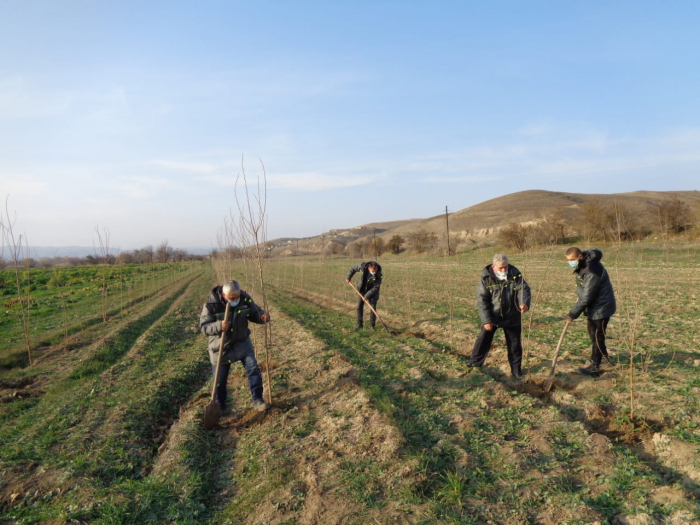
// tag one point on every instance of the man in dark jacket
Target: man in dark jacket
(502, 296)
(596, 300)
(370, 281)
(237, 345)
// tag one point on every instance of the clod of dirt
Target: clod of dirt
(416, 373)
(677, 455)
(599, 444)
(667, 496)
(637, 519)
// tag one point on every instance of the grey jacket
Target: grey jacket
(369, 284)
(237, 339)
(596, 298)
(499, 301)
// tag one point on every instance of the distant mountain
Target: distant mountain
(37, 252)
(485, 219)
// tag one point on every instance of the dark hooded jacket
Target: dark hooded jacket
(213, 313)
(369, 284)
(596, 298)
(499, 301)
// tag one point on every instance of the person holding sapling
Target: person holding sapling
(502, 296)
(237, 343)
(370, 281)
(596, 300)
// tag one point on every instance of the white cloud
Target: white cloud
(190, 167)
(299, 181)
(142, 188)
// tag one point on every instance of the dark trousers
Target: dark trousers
(361, 309)
(596, 331)
(255, 381)
(482, 345)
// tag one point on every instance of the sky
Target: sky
(138, 117)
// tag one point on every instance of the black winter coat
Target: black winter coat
(499, 301)
(369, 284)
(213, 313)
(596, 298)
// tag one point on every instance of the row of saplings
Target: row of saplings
(502, 296)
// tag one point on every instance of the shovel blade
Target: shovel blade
(212, 414)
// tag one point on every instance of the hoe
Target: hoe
(212, 413)
(550, 379)
(371, 308)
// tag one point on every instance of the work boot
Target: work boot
(373, 327)
(517, 374)
(592, 370)
(260, 405)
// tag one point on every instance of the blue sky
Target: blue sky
(137, 116)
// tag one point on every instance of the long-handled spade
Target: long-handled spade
(212, 413)
(372, 308)
(550, 379)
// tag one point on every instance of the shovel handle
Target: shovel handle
(370, 306)
(218, 361)
(556, 352)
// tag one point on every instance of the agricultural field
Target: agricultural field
(61, 301)
(369, 426)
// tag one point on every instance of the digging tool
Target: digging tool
(371, 308)
(212, 413)
(550, 379)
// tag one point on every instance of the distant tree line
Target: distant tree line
(598, 221)
(163, 253)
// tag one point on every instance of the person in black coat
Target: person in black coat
(370, 281)
(596, 300)
(502, 296)
(237, 345)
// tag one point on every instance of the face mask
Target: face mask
(573, 264)
(235, 303)
(501, 275)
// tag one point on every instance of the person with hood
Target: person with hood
(237, 345)
(370, 281)
(596, 300)
(502, 296)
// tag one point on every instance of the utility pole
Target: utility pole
(447, 225)
(374, 242)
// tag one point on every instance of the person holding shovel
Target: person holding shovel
(237, 344)
(502, 296)
(370, 281)
(596, 300)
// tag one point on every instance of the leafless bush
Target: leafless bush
(421, 240)
(376, 247)
(514, 235)
(674, 216)
(333, 248)
(395, 244)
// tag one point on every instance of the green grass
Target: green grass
(98, 431)
(80, 290)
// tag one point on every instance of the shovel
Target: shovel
(550, 379)
(212, 413)
(371, 308)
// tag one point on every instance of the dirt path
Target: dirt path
(322, 455)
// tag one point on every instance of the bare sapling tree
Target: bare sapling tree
(57, 279)
(103, 254)
(536, 295)
(252, 229)
(15, 247)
